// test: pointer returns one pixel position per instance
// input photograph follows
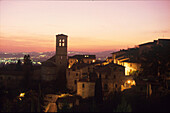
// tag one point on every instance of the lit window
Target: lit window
(63, 40)
(62, 44)
(59, 44)
(60, 40)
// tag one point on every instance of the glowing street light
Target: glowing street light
(22, 95)
(128, 81)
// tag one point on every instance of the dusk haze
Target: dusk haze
(27, 26)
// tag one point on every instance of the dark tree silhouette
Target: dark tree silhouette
(156, 62)
(98, 90)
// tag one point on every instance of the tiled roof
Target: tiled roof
(79, 65)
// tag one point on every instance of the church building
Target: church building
(55, 67)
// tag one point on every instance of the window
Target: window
(106, 76)
(76, 74)
(115, 85)
(114, 76)
(63, 40)
(62, 44)
(59, 44)
(82, 85)
(60, 40)
(75, 82)
(105, 87)
(130, 65)
(61, 57)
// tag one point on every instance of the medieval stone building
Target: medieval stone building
(55, 67)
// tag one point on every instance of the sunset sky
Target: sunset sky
(27, 26)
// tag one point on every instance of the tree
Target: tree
(156, 61)
(98, 90)
(18, 66)
(123, 106)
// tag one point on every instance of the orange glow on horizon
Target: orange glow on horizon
(27, 26)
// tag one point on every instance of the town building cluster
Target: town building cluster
(80, 73)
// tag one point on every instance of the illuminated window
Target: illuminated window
(60, 40)
(62, 44)
(63, 40)
(59, 44)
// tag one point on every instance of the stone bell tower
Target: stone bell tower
(61, 50)
(61, 54)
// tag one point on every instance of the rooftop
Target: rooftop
(83, 56)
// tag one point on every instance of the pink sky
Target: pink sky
(27, 26)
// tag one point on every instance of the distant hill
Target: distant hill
(35, 55)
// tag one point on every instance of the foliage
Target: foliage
(156, 61)
(65, 107)
(98, 91)
(123, 106)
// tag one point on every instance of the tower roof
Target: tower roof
(61, 35)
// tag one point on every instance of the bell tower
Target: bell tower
(61, 51)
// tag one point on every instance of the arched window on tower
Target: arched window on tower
(59, 44)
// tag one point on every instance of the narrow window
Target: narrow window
(114, 76)
(115, 85)
(60, 40)
(105, 86)
(76, 74)
(61, 57)
(59, 44)
(82, 85)
(63, 40)
(75, 82)
(62, 44)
